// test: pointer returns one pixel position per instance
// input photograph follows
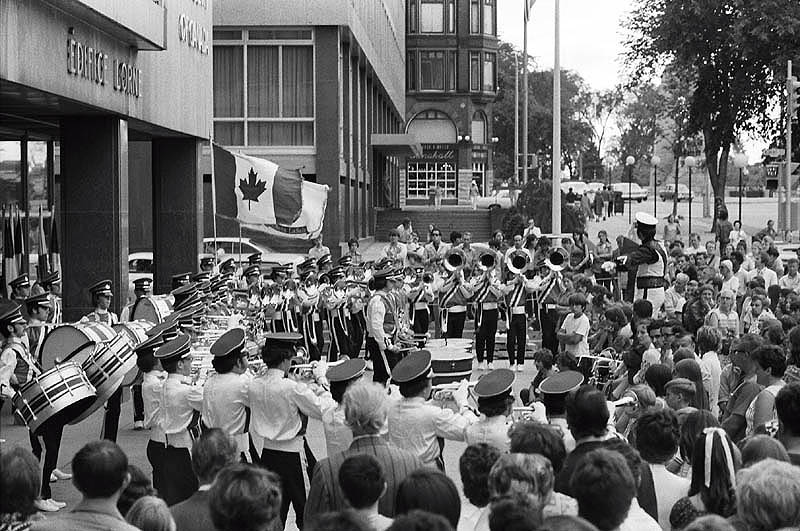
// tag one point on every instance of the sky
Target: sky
(591, 36)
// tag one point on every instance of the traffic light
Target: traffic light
(793, 88)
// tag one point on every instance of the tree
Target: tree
(535, 201)
(640, 124)
(732, 52)
(597, 109)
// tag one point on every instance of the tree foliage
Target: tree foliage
(535, 201)
(732, 53)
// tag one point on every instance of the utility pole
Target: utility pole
(528, 4)
(516, 117)
(557, 126)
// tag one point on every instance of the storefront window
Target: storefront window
(431, 70)
(431, 16)
(423, 176)
(37, 196)
(478, 174)
(270, 76)
(10, 172)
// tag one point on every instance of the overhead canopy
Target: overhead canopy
(396, 144)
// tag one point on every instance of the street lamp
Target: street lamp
(629, 162)
(740, 161)
(690, 162)
(655, 160)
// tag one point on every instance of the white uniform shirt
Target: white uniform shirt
(225, 399)
(376, 312)
(277, 404)
(490, 430)
(415, 424)
(152, 384)
(179, 401)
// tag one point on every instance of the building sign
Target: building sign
(193, 34)
(434, 152)
(93, 64)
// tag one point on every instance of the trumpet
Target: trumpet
(306, 370)
(518, 261)
(454, 259)
(445, 392)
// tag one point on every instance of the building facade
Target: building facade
(100, 100)
(451, 82)
(310, 85)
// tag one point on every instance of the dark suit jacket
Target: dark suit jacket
(193, 514)
(325, 494)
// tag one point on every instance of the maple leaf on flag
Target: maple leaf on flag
(252, 187)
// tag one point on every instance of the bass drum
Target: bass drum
(136, 332)
(450, 365)
(457, 343)
(152, 309)
(57, 396)
(105, 369)
(73, 342)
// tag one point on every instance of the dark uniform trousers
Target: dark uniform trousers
(111, 418)
(455, 324)
(517, 338)
(138, 402)
(380, 374)
(356, 327)
(294, 469)
(486, 331)
(549, 324)
(422, 320)
(179, 481)
(155, 455)
(51, 436)
(340, 340)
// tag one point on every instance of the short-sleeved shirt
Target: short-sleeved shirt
(577, 326)
(740, 400)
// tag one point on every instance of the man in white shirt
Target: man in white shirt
(761, 270)
(405, 230)
(675, 296)
(729, 280)
(319, 250)
(709, 341)
(574, 331)
(395, 249)
(791, 280)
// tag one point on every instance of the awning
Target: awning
(396, 144)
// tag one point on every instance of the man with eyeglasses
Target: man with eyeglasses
(724, 316)
(739, 386)
(435, 250)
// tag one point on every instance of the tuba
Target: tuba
(518, 261)
(558, 259)
(454, 259)
(487, 260)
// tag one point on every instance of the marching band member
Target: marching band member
(338, 316)
(648, 263)
(180, 412)
(51, 283)
(549, 292)
(516, 289)
(152, 383)
(414, 423)
(338, 435)
(309, 318)
(18, 368)
(495, 401)
(453, 298)
(324, 263)
(101, 298)
(382, 327)
(226, 401)
(181, 279)
(142, 287)
(488, 293)
(207, 263)
(280, 409)
(252, 277)
(20, 288)
(420, 294)
(38, 309)
(357, 294)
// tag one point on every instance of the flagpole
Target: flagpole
(556, 197)
(213, 193)
(525, 94)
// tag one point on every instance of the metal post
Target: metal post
(789, 156)
(557, 126)
(690, 199)
(516, 117)
(655, 191)
(740, 195)
(630, 200)
(525, 99)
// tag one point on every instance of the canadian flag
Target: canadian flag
(269, 198)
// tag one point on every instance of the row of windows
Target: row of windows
(424, 176)
(438, 70)
(439, 16)
(263, 87)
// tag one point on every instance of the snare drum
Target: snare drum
(106, 368)
(136, 332)
(151, 308)
(57, 396)
(453, 343)
(450, 365)
(73, 342)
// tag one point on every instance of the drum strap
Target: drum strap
(443, 305)
(412, 307)
(479, 296)
(22, 352)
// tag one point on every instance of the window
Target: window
(475, 16)
(488, 72)
(451, 70)
(431, 16)
(424, 175)
(413, 17)
(475, 71)
(451, 16)
(411, 67)
(488, 18)
(478, 129)
(264, 87)
(431, 67)
(478, 173)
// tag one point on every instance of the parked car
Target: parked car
(630, 191)
(668, 193)
(239, 250)
(787, 250)
(497, 199)
(140, 265)
(594, 186)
